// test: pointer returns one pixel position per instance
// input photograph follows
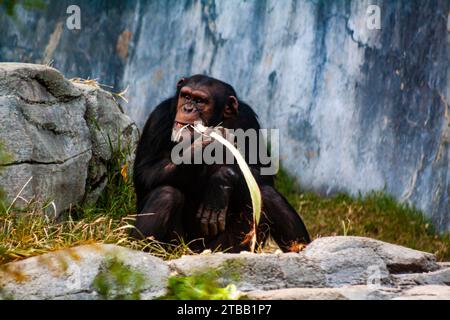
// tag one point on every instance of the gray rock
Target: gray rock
(297, 294)
(430, 292)
(70, 274)
(63, 183)
(439, 277)
(427, 292)
(110, 131)
(326, 262)
(58, 132)
(343, 293)
(400, 259)
(358, 260)
(347, 260)
(35, 83)
(337, 268)
(255, 271)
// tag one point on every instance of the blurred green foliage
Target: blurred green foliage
(202, 286)
(117, 281)
(10, 6)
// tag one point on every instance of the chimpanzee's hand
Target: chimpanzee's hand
(213, 210)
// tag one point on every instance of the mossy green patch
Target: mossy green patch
(117, 281)
(202, 286)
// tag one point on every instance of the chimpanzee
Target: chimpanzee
(199, 201)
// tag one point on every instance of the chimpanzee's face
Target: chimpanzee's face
(195, 104)
(201, 99)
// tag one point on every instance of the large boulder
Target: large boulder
(326, 262)
(250, 271)
(85, 272)
(357, 292)
(59, 133)
(439, 277)
(359, 260)
(330, 268)
(428, 292)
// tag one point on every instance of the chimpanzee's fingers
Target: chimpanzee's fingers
(206, 142)
(199, 212)
(204, 222)
(221, 219)
(213, 223)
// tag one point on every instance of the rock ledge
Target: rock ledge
(329, 268)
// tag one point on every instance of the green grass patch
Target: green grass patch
(376, 215)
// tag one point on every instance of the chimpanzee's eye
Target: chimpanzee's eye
(185, 96)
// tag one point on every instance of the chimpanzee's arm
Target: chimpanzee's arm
(162, 172)
(152, 165)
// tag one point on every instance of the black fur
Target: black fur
(169, 196)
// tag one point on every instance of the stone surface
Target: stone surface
(347, 261)
(439, 277)
(56, 132)
(326, 262)
(297, 294)
(360, 258)
(69, 274)
(357, 109)
(430, 292)
(254, 271)
(343, 293)
(335, 268)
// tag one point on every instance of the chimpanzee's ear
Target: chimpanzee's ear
(180, 83)
(231, 107)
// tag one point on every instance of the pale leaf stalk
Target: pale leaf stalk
(252, 185)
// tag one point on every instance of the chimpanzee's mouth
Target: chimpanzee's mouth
(181, 129)
(179, 124)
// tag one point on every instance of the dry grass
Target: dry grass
(29, 232)
(90, 82)
(97, 85)
(24, 235)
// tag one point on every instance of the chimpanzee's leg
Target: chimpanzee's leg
(161, 215)
(285, 225)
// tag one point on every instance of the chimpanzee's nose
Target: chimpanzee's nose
(188, 108)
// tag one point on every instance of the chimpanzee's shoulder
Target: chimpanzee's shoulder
(247, 119)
